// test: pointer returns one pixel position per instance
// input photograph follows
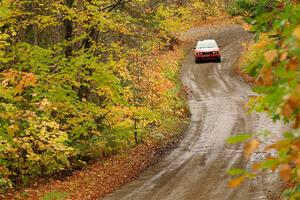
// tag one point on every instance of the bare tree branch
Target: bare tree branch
(111, 7)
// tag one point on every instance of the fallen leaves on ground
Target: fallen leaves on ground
(99, 178)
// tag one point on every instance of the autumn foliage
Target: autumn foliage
(274, 60)
(82, 79)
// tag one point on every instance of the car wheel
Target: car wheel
(197, 60)
(219, 60)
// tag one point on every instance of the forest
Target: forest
(83, 79)
(87, 79)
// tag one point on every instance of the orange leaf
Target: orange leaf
(295, 147)
(283, 56)
(236, 181)
(285, 172)
(256, 166)
(271, 147)
(296, 32)
(293, 65)
(267, 75)
(297, 91)
(297, 162)
(251, 147)
(287, 110)
(247, 27)
(270, 55)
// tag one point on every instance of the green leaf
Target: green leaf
(282, 154)
(238, 138)
(236, 171)
(288, 135)
(297, 188)
(268, 164)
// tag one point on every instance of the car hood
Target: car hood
(207, 49)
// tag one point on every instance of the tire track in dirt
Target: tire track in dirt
(197, 168)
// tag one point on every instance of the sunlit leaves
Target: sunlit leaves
(236, 171)
(172, 18)
(292, 193)
(238, 138)
(19, 81)
(267, 75)
(274, 62)
(270, 55)
(240, 176)
(58, 109)
(268, 163)
(250, 147)
(296, 32)
(285, 172)
(283, 56)
(235, 182)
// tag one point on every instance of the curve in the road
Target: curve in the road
(196, 170)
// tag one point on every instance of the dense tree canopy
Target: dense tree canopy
(84, 78)
(81, 78)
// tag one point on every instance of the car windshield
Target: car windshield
(203, 45)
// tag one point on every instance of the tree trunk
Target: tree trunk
(136, 132)
(92, 37)
(68, 26)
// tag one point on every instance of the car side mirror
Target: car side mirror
(219, 46)
(194, 48)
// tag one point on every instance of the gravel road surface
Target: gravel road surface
(197, 168)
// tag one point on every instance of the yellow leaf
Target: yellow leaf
(236, 181)
(270, 55)
(298, 173)
(283, 56)
(285, 172)
(296, 32)
(12, 129)
(251, 147)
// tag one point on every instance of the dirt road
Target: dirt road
(197, 168)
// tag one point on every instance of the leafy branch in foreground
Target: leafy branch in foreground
(274, 61)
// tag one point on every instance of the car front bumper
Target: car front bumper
(208, 57)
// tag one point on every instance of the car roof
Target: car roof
(210, 41)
